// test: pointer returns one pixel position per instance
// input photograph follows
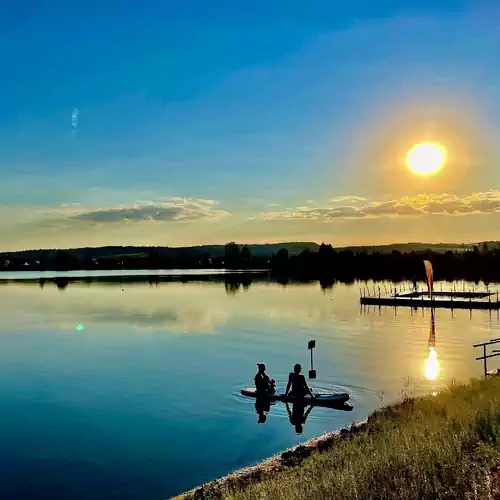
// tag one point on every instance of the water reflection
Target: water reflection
(234, 284)
(298, 415)
(262, 408)
(100, 360)
(432, 364)
(174, 307)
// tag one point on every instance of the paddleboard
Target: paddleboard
(320, 399)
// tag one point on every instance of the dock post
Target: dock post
(311, 345)
(484, 356)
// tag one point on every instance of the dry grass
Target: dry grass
(440, 447)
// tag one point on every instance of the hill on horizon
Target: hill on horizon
(264, 250)
(413, 247)
(258, 250)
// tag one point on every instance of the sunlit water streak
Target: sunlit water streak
(432, 365)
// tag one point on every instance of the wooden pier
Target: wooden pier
(447, 300)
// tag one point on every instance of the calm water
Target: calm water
(143, 402)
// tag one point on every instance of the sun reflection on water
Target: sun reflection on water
(432, 365)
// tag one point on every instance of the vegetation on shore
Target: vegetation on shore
(437, 447)
(229, 256)
(285, 261)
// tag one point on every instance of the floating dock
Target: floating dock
(447, 300)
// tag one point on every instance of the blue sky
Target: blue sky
(206, 122)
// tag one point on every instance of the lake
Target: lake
(127, 391)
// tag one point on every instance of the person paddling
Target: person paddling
(262, 381)
(297, 382)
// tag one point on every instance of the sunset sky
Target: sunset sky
(192, 122)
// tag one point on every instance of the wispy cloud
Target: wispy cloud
(172, 209)
(353, 207)
(340, 199)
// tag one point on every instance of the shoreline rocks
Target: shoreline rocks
(292, 457)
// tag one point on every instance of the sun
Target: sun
(426, 158)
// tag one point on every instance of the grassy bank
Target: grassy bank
(441, 447)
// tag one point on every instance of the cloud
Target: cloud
(173, 209)
(361, 208)
(340, 199)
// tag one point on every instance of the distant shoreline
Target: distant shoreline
(287, 261)
(231, 278)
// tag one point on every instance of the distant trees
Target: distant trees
(325, 264)
(234, 258)
(65, 261)
(279, 262)
(153, 258)
(231, 255)
(245, 257)
(328, 264)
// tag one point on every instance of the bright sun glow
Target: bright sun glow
(426, 158)
(432, 365)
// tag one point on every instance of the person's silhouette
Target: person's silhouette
(297, 385)
(262, 381)
(297, 416)
(262, 407)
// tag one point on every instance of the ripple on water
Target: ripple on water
(246, 405)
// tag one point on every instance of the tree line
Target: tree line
(233, 257)
(479, 263)
(327, 264)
